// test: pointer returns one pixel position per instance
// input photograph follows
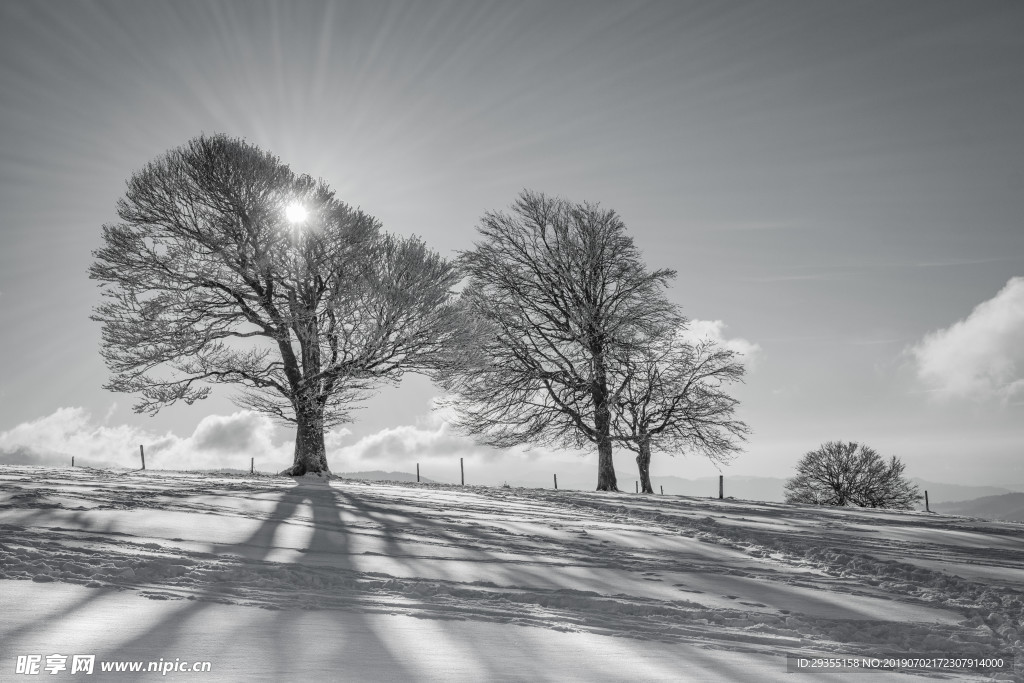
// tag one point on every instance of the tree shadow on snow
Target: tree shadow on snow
(293, 649)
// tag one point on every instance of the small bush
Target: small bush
(848, 474)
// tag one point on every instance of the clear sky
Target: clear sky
(840, 186)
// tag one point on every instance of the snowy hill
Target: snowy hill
(380, 475)
(268, 578)
(1007, 507)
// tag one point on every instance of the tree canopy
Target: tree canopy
(840, 473)
(562, 290)
(205, 281)
(671, 396)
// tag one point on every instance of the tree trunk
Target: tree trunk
(643, 461)
(605, 467)
(602, 424)
(310, 452)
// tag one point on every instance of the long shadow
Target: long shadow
(80, 522)
(331, 537)
(328, 536)
(340, 524)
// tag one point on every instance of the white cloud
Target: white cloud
(229, 441)
(399, 446)
(437, 448)
(218, 441)
(711, 330)
(54, 439)
(981, 356)
(239, 432)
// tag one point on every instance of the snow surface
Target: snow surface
(272, 578)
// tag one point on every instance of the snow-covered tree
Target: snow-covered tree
(671, 396)
(227, 267)
(562, 289)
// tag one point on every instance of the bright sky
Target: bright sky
(840, 186)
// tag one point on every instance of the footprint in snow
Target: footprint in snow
(159, 596)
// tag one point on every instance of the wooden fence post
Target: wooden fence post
(462, 471)
(556, 482)
(926, 508)
(721, 486)
(662, 490)
(142, 454)
(637, 486)
(72, 461)
(417, 473)
(252, 465)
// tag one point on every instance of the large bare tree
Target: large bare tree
(562, 288)
(227, 267)
(671, 396)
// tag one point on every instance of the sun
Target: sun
(295, 213)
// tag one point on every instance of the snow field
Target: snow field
(740, 583)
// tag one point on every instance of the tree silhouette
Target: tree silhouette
(205, 281)
(561, 289)
(847, 474)
(671, 397)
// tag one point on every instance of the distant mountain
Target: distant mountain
(768, 489)
(380, 475)
(1007, 507)
(947, 493)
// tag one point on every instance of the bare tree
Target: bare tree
(560, 286)
(671, 396)
(844, 474)
(206, 281)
